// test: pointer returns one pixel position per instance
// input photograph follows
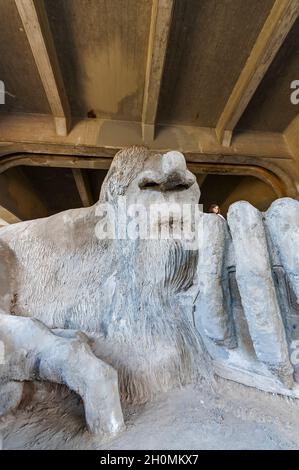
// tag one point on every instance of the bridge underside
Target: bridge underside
(85, 79)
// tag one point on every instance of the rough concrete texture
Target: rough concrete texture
(256, 286)
(211, 313)
(282, 220)
(30, 351)
(6, 277)
(120, 292)
(236, 417)
(33, 352)
(145, 308)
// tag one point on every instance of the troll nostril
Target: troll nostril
(175, 185)
(149, 180)
(167, 184)
(149, 185)
(174, 182)
(181, 187)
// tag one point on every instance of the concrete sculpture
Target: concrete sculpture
(84, 304)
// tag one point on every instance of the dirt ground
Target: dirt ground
(235, 417)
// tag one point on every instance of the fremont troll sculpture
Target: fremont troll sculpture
(122, 318)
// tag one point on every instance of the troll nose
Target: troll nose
(175, 172)
(173, 162)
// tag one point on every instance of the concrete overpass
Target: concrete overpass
(84, 78)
